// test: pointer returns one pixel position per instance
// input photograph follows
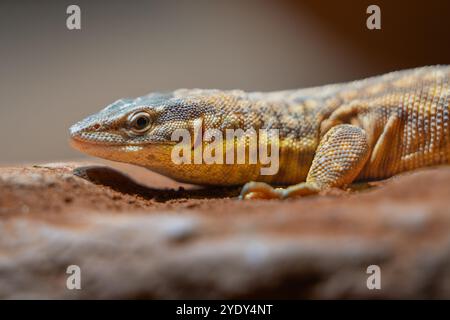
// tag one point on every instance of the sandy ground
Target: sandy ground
(140, 235)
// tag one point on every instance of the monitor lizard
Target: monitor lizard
(329, 136)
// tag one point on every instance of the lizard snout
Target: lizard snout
(82, 127)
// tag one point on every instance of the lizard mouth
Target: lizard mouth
(109, 148)
(86, 146)
(106, 151)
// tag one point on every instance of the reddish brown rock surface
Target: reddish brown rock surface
(141, 240)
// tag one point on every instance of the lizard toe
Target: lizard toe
(259, 190)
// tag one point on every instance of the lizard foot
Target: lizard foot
(260, 190)
(301, 190)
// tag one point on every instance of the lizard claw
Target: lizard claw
(260, 190)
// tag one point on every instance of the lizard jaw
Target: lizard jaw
(120, 153)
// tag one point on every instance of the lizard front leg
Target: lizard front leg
(340, 156)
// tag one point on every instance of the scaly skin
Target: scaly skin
(330, 136)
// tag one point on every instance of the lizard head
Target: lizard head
(139, 131)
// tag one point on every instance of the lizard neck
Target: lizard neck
(297, 117)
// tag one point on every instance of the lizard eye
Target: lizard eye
(140, 122)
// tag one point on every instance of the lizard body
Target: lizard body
(329, 136)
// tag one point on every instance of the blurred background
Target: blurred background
(52, 77)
